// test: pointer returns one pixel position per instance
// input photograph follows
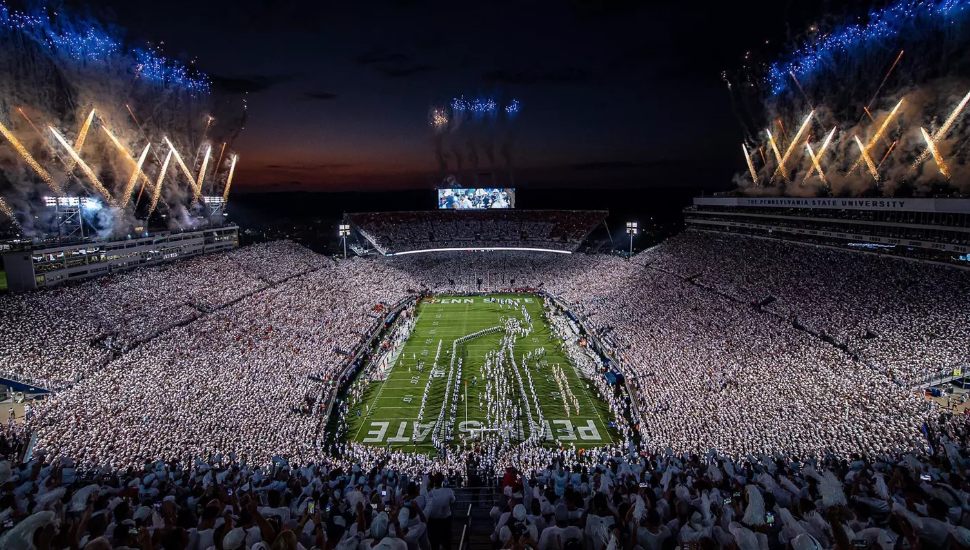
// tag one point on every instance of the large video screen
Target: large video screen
(475, 198)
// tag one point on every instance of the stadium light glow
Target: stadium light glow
(61, 201)
(632, 229)
(343, 230)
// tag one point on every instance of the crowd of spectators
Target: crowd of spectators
(611, 499)
(694, 345)
(194, 399)
(906, 319)
(394, 232)
(56, 337)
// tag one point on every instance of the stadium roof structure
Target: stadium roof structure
(552, 231)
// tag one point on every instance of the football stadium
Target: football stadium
(444, 333)
(484, 286)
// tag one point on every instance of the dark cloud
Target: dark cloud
(310, 167)
(392, 64)
(320, 96)
(606, 165)
(381, 56)
(400, 71)
(249, 83)
(606, 7)
(561, 75)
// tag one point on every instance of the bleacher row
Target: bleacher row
(397, 232)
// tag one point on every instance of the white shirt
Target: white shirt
(439, 503)
(553, 538)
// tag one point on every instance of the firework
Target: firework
(232, 171)
(130, 186)
(816, 159)
(774, 146)
(5, 208)
(883, 83)
(815, 164)
(221, 152)
(82, 135)
(71, 75)
(931, 147)
(92, 177)
(128, 156)
(133, 117)
(513, 108)
(205, 165)
(892, 146)
(158, 185)
(747, 158)
(867, 159)
(31, 122)
(798, 137)
(439, 118)
(888, 25)
(799, 86)
(37, 168)
(875, 138)
(944, 130)
(184, 168)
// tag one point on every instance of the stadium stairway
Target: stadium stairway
(472, 525)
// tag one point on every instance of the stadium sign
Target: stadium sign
(952, 206)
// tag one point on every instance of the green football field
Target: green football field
(387, 413)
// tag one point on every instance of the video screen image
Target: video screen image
(475, 198)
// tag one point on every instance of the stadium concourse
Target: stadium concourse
(773, 404)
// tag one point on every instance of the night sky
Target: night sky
(614, 94)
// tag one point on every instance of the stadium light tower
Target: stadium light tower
(344, 233)
(67, 214)
(632, 229)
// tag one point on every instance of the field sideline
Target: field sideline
(387, 413)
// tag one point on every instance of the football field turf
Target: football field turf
(387, 413)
